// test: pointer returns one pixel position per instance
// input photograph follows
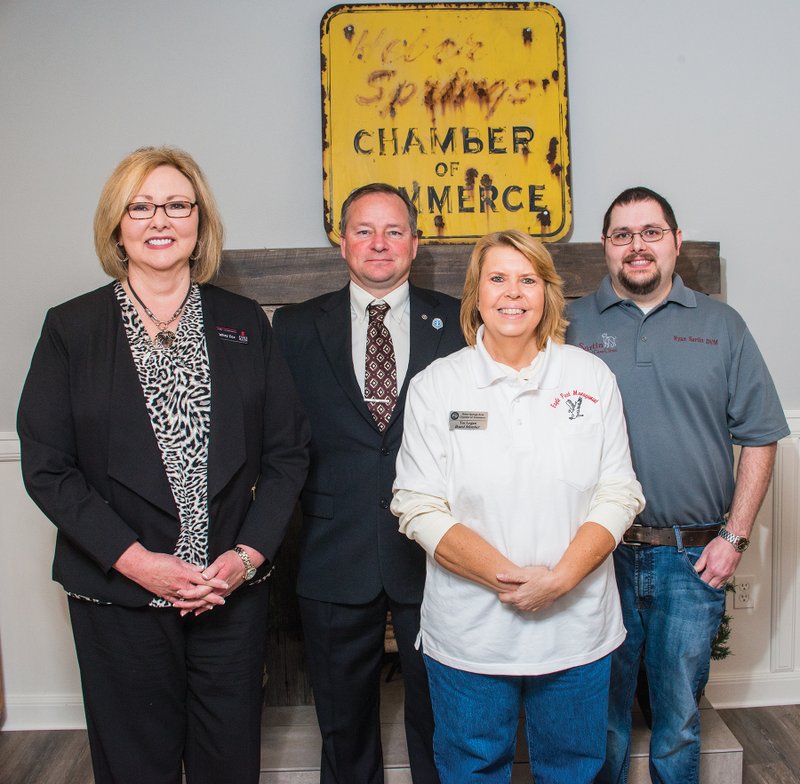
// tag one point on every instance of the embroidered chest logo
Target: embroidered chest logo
(707, 341)
(606, 345)
(574, 400)
(574, 407)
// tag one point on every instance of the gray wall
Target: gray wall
(696, 99)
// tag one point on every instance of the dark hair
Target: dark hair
(378, 187)
(640, 193)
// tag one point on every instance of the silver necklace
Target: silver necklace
(164, 337)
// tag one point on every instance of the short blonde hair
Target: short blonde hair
(120, 189)
(553, 324)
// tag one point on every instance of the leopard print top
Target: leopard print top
(177, 389)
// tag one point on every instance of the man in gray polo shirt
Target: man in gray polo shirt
(693, 383)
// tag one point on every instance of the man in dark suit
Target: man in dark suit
(354, 564)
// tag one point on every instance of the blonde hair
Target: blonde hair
(553, 324)
(120, 188)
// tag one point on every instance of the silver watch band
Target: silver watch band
(249, 569)
(741, 543)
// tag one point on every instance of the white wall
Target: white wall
(40, 672)
(764, 668)
(695, 99)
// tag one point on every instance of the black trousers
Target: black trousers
(344, 646)
(160, 690)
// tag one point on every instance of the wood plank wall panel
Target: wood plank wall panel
(277, 276)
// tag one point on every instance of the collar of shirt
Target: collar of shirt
(679, 293)
(542, 373)
(360, 300)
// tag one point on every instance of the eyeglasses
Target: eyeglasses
(142, 210)
(650, 234)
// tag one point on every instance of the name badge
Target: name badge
(469, 420)
(230, 335)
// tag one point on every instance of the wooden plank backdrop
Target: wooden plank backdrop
(276, 277)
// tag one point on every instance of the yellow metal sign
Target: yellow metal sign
(463, 105)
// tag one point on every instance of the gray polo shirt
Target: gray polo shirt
(693, 383)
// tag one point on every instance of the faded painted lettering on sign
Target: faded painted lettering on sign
(464, 106)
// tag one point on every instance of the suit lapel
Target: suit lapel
(226, 444)
(334, 327)
(426, 329)
(134, 459)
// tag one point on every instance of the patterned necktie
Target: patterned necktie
(380, 370)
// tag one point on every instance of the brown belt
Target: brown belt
(691, 537)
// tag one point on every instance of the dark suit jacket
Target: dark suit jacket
(351, 548)
(91, 462)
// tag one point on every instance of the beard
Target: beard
(638, 286)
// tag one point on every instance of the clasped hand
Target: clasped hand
(189, 587)
(529, 588)
(220, 579)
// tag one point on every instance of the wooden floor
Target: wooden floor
(771, 741)
(770, 737)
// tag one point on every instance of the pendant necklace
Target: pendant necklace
(164, 337)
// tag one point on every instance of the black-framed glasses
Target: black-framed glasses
(650, 234)
(143, 210)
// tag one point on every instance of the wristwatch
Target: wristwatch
(249, 569)
(740, 543)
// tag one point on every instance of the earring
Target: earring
(123, 260)
(198, 249)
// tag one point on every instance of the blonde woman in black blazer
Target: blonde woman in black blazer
(161, 433)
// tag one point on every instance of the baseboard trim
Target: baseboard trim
(44, 712)
(754, 690)
(65, 712)
(9, 447)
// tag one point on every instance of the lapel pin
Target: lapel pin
(437, 323)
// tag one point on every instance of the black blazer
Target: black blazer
(91, 462)
(351, 547)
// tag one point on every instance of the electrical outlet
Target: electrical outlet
(743, 595)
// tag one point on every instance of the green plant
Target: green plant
(719, 648)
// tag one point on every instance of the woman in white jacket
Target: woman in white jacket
(515, 477)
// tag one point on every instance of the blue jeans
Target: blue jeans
(476, 720)
(672, 617)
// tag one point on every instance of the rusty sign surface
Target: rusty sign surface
(463, 105)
